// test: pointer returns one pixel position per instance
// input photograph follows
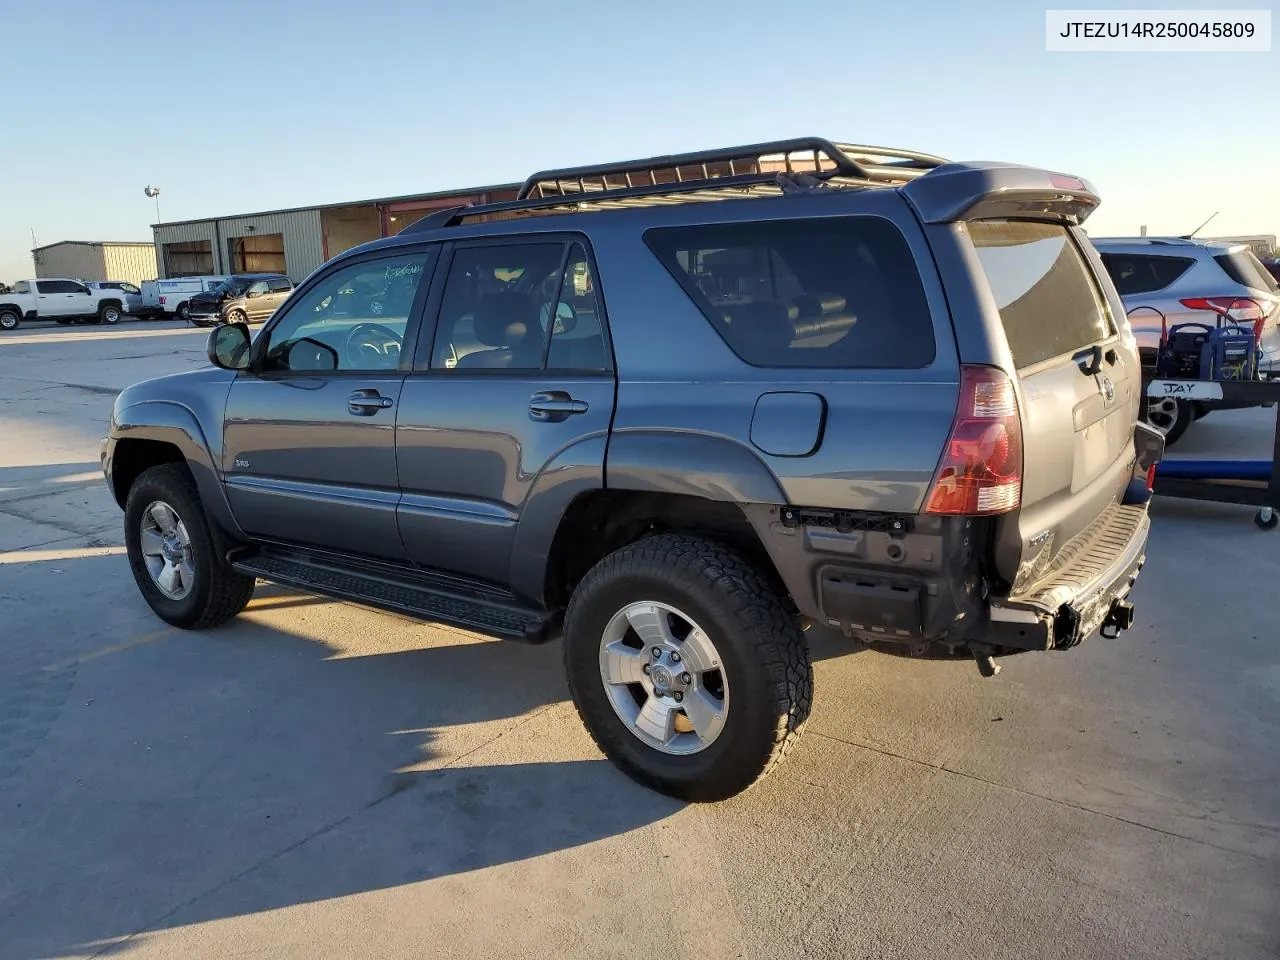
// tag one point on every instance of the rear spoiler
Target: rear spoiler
(985, 191)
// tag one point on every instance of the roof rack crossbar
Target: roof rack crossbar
(823, 151)
(716, 188)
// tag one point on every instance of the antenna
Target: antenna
(1199, 228)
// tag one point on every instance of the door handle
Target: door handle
(555, 405)
(1089, 360)
(365, 403)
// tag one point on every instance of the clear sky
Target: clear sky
(234, 106)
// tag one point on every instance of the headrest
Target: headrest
(811, 306)
(503, 319)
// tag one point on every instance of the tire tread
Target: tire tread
(771, 626)
(229, 591)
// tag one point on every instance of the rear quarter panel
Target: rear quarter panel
(880, 434)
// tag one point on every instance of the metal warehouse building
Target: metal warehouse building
(96, 260)
(298, 240)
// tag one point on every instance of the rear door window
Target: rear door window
(837, 292)
(1138, 273)
(1049, 304)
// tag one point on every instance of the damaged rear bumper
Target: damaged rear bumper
(1086, 595)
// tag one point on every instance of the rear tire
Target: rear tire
(108, 313)
(209, 592)
(759, 654)
(184, 313)
(10, 318)
(1171, 417)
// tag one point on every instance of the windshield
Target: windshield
(234, 287)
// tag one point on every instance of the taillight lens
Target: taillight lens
(162, 300)
(1234, 309)
(981, 469)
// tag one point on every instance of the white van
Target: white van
(169, 297)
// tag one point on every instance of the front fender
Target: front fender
(166, 421)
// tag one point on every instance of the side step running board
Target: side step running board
(481, 608)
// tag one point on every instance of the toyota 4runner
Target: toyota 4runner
(678, 410)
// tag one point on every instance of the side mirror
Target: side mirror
(566, 318)
(229, 346)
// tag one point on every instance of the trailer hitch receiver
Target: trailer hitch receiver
(1119, 617)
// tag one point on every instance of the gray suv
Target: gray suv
(680, 410)
(243, 298)
(1172, 280)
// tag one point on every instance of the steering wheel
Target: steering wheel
(371, 345)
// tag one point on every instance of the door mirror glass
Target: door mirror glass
(229, 346)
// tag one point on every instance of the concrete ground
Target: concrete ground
(317, 780)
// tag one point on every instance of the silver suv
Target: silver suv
(1174, 280)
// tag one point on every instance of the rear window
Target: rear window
(840, 292)
(1246, 269)
(1137, 273)
(1049, 303)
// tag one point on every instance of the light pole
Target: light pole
(154, 192)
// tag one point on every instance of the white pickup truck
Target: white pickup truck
(63, 300)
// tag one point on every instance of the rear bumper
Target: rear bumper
(1077, 599)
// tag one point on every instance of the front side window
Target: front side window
(1048, 301)
(353, 319)
(832, 292)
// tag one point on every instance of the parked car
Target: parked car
(1172, 280)
(244, 298)
(62, 299)
(682, 428)
(132, 294)
(171, 297)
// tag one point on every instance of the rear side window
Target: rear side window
(1136, 273)
(1246, 269)
(1049, 303)
(839, 292)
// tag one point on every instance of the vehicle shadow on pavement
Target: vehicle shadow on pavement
(154, 778)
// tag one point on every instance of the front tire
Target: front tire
(174, 555)
(237, 315)
(9, 318)
(744, 681)
(1171, 417)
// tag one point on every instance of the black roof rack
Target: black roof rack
(759, 169)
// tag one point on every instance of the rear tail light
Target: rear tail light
(1233, 309)
(981, 468)
(1151, 476)
(162, 300)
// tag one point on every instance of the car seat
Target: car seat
(507, 323)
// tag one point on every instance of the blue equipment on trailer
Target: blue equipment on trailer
(1252, 482)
